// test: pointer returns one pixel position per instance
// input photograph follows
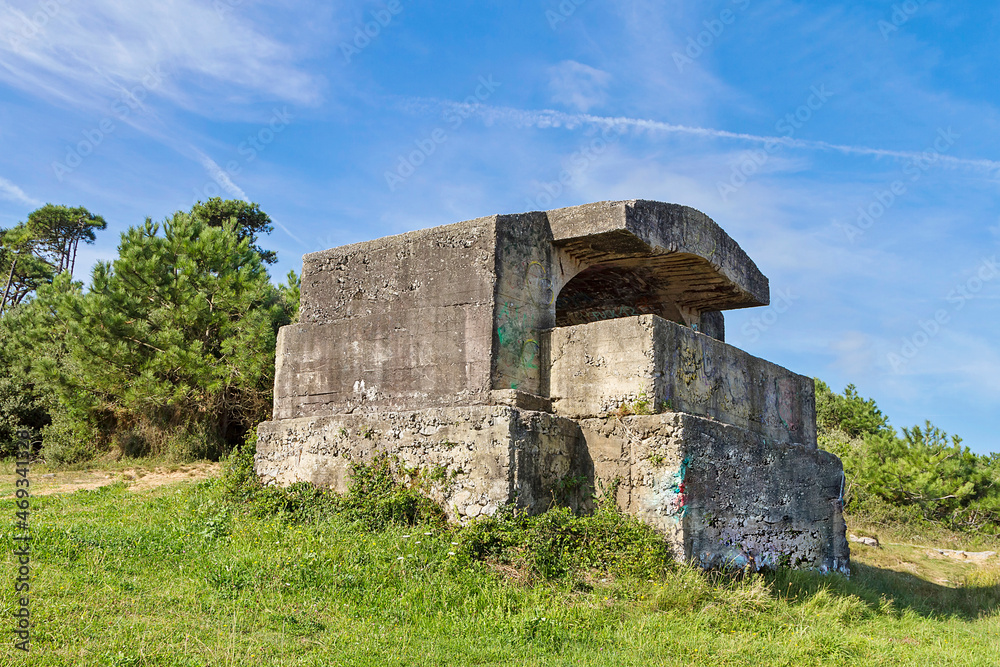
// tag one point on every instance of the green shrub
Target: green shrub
(375, 498)
(553, 545)
(923, 476)
(67, 440)
(557, 543)
(849, 413)
(238, 480)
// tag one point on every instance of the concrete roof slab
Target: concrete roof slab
(701, 265)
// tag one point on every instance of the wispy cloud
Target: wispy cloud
(12, 192)
(578, 85)
(547, 118)
(205, 57)
(88, 52)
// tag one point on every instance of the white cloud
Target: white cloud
(577, 85)
(89, 52)
(12, 192)
(855, 352)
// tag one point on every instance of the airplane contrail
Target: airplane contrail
(547, 118)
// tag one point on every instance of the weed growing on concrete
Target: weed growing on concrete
(568, 488)
(641, 405)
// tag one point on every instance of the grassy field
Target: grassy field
(180, 574)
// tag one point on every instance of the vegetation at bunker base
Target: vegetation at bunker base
(226, 572)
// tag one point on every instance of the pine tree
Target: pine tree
(33, 252)
(58, 230)
(290, 294)
(849, 412)
(22, 404)
(250, 221)
(172, 347)
(22, 270)
(924, 473)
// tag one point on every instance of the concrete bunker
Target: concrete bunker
(519, 350)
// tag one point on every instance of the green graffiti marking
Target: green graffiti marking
(680, 502)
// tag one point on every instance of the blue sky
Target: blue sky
(852, 149)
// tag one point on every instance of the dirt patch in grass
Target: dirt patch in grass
(945, 567)
(138, 478)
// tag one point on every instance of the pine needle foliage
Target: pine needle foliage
(922, 474)
(171, 349)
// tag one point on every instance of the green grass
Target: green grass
(188, 575)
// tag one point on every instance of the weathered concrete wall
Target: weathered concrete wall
(438, 317)
(651, 365)
(723, 495)
(719, 494)
(713, 325)
(400, 322)
(754, 502)
(699, 266)
(488, 455)
(525, 300)
(444, 316)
